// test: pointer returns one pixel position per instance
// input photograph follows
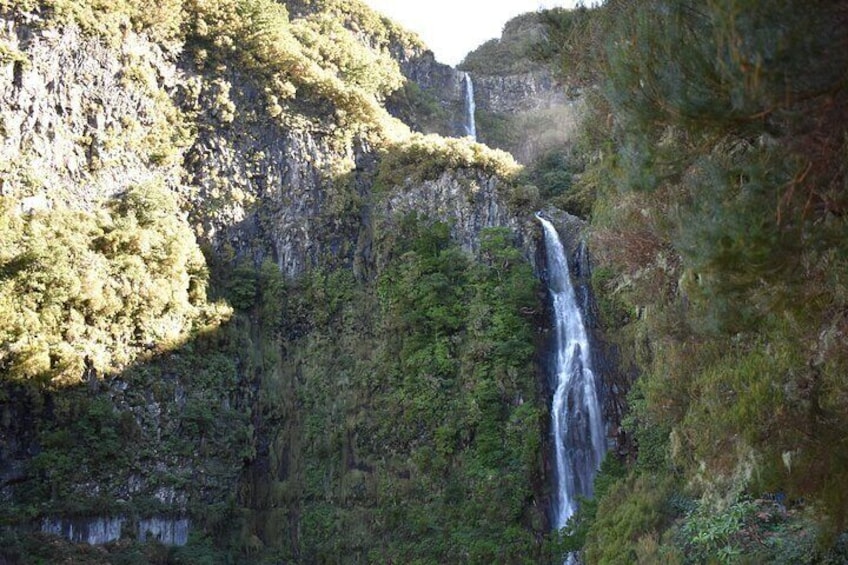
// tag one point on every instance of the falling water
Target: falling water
(470, 108)
(577, 426)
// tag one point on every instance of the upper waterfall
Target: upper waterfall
(470, 108)
(577, 424)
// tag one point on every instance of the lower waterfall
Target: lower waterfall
(577, 423)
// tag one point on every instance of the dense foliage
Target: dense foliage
(427, 157)
(84, 292)
(404, 420)
(395, 417)
(394, 420)
(388, 417)
(719, 197)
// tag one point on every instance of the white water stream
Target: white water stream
(470, 108)
(577, 421)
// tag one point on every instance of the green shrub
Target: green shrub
(421, 158)
(634, 510)
(715, 219)
(92, 291)
(413, 408)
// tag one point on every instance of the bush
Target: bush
(92, 291)
(716, 219)
(421, 158)
(634, 510)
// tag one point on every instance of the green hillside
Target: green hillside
(716, 176)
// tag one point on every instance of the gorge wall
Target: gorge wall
(521, 106)
(280, 399)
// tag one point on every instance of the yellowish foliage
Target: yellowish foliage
(81, 289)
(425, 157)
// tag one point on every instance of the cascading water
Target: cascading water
(577, 423)
(470, 108)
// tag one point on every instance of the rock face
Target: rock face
(468, 201)
(516, 93)
(526, 113)
(82, 122)
(99, 531)
(95, 531)
(267, 192)
(442, 89)
(79, 119)
(167, 531)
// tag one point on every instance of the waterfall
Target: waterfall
(470, 108)
(577, 426)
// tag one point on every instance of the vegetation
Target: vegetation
(717, 192)
(84, 292)
(553, 174)
(573, 41)
(393, 417)
(316, 65)
(420, 109)
(420, 158)
(391, 414)
(509, 54)
(396, 419)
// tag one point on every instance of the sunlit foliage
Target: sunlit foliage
(426, 157)
(89, 292)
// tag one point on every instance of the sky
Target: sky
(452, 28)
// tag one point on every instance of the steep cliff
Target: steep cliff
(716, 191)
(522, 107)
(245, 310)
(433, 98)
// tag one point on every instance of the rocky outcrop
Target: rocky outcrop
(99, 531)
(525, 113)
(93, 531)
(81, 120)
(512, 94)
(468, 201)
(434, 100)
(269, 192)
(167, 531)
